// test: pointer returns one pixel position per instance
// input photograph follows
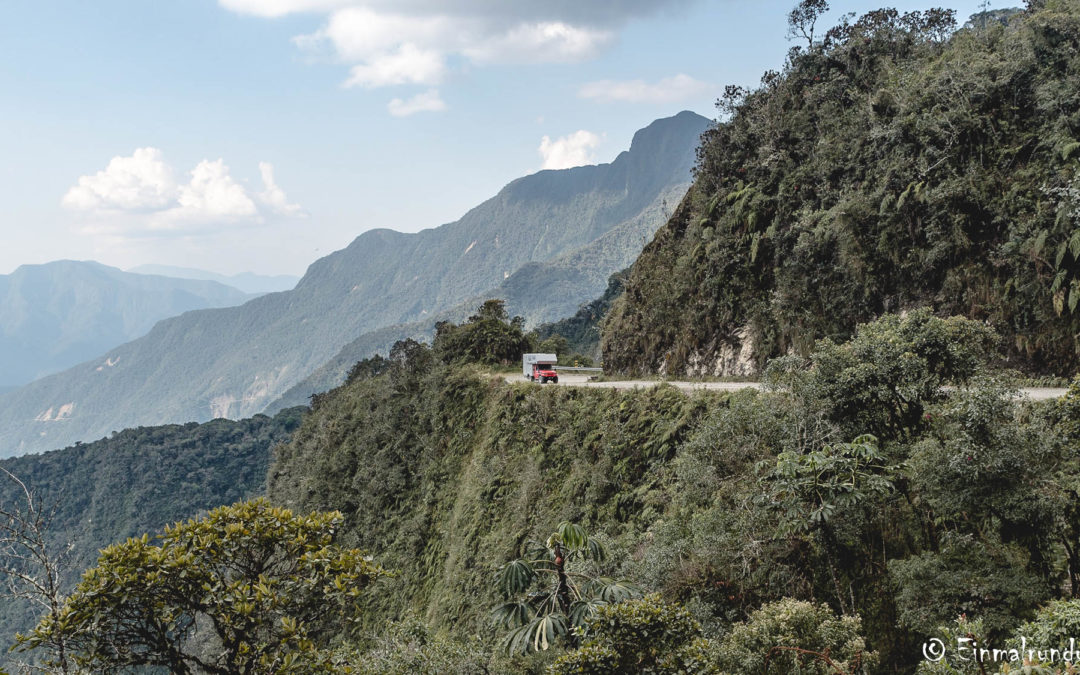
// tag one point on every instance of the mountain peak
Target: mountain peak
(685, 122)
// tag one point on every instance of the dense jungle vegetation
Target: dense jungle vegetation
(854, 481)
(893, 163)
(879, 492)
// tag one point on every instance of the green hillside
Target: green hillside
(139, 480)
(722, 503)
(870, 495)
(235, 362)
(56, 315)
(893, 165)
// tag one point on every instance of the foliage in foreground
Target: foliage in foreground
(645, 636)
(248, 588)
(797, 637)
(408, 647)
(135, 481)
(551, 593)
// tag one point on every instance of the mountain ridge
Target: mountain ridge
(58, 314)
(248, 282)
(234, 363)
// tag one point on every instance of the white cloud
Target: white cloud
(428, 101)
(276, 8)
(212, 194)
(568, 151)
(547, 42)
(273, 196)
(588, 11)
(415, 42)
(140, 194)
(141, 182)
(667, 90)
(359, 33)
(408, 64)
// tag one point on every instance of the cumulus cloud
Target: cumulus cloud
(275, 8)
(568, 151)
(141, 193)
(388, 48)
(407, 64)
(588, 12)
(141, 182)
(550, 42)
(428, 101)
(667, 90)
(415, 42)
(273, 197)
(212, 194)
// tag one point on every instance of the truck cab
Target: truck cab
(539, 368)
(544, 372)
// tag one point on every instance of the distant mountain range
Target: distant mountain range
(56, 315)
(247, 282)
(547, 242)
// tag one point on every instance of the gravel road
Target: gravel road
(582, 380)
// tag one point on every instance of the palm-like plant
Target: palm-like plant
(550, 590)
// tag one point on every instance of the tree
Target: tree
(644, 635)
(944, 646)
(881, 380)
(370, 367)
(32, 568)
(493, 310)
(554, 344)
(803, 17)
(1053, 627)
(565, 594)
(811, 489)
(489, 337)
(249, 588)
(792, 636)
(408, 647)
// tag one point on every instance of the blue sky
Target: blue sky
(259, 135)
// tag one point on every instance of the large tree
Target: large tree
(250, 588)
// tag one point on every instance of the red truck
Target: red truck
(539, 368)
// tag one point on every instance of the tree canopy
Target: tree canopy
(250, 588)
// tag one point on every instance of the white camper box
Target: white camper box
(530, 360)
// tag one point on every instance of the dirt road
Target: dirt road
(582, 380)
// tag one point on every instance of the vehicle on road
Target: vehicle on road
(540, 368)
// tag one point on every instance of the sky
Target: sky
(260, 135)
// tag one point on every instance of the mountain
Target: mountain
(247, 282)
(234, 362)
(56, 315)
(581, 329)
(870, 177)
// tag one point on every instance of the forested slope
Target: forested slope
(855, 480)
(892, 164)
